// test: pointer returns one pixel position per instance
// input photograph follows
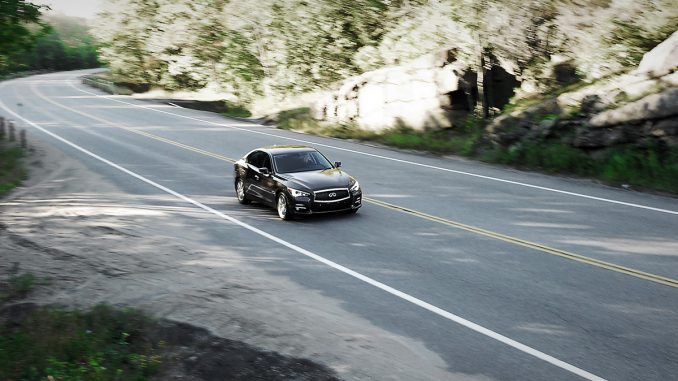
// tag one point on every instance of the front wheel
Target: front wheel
(240, 192)
(284, 212)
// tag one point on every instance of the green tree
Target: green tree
(20, 25)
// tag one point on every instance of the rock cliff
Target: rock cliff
(640, 107)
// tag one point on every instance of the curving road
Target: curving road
(503, 274)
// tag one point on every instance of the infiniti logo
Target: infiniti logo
(332, 195)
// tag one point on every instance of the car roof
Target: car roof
(286, 149)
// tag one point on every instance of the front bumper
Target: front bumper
(308, 205)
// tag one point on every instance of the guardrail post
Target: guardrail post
(22, 138)
(2, 128)
(12, 132)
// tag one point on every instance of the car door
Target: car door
(252, 176)
(267, 184)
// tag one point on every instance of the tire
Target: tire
(283, 207)
(240, 192)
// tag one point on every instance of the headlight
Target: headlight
(298, 193)
(355, 187)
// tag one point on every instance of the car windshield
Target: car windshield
(300, 162)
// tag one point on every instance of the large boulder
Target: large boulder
(655, 106)
(601, 137)
(661, 60)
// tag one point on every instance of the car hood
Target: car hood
(317, 180)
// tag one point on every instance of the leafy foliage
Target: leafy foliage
(277, 48)
(61, 43)
(20, 26)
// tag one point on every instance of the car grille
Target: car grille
(331, 195)
(320, 207)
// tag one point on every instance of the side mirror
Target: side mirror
(264, 171)
(337, 164)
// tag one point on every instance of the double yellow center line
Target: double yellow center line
(532, 245)
(457, 225)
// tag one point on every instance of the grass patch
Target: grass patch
(650, 168)
(441, 141)
(11, 169)
(558, 158)
(236, 110)
(102, 344)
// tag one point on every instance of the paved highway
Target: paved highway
(503, 274)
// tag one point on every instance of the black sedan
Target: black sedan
(296, 180)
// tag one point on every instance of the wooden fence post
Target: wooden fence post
(22, 138)
(12, 132)
(2, 128)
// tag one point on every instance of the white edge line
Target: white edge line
(436, 310)
(386, 157)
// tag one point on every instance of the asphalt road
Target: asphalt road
(506, 274)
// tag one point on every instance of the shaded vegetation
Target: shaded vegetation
(34, 42)
(236, 110)
(20, 26)
(11, 168)
(102, 344)
(52, 343)
(64, 45)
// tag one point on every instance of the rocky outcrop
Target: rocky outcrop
(661, 60)
(639, 108)
(654, 106)
(412, 94)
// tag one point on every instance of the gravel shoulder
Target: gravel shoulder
(93, 243)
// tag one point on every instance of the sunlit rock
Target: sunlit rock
(655, 106)
(663, 59)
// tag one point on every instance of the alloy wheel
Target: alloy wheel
(283, 212)
(240, 192)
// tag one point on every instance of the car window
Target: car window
(300, 162)
(266, 162)
(256, 158)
